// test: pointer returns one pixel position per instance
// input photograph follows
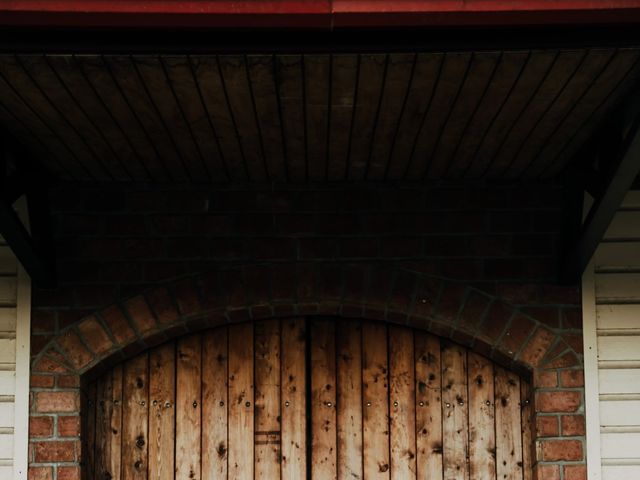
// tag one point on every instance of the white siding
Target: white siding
(8, 300)
(613, 289)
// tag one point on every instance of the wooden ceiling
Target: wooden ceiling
(311, 117)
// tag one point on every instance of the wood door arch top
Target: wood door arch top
(316, 398)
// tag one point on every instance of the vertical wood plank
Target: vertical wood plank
(375, 396)
(267, 399)
(104, 392)
(402, 397)
(115, 436)
(349, 399)
(428, 406)
(188, 407)
(135, 418)
(528, 446)
(482, 436)
(241, 420)
(162, 382)
(454, 412)
(293, 398)
(214, 404)
(89, 430)
(323, 399)
(508, 417)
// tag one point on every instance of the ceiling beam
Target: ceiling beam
(622, 176)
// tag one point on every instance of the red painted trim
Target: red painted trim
(324, 14)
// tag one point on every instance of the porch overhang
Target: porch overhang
(316, 14)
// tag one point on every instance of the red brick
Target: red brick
(496, 321)
(40, 473)
(565, 360)
(47, 365)
(537, 347)
(42, 381)
(68, 381)
(517, 333)
(94, 335)
(187, 297)
(52, 402)
(573, 425)
(548, 316)
(55, 451)
(40, 427)
(572, 378)
(140, 314)
(546, 472)
(68, 473)
(571, 318)
(118, 324)
(547, 426)
(74, 349)
(575, 472)
(474, 309)
(43, 321)
(561, 450)
(69, 426)
(545, 379)
(555, 402)
(450, 302)
(162, 305)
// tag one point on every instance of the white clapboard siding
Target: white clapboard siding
(617, 287)
(623, 381)
(8, 290)
(7, 383)
(619, 348)
(8, 263)
(623, 446)
(15, 302)
(611, 318)
(617, 256)
(611, 303)
(620, 412)
(625, 225)
(617, 472)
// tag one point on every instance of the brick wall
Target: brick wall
(496, 245)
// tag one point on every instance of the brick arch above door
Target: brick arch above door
(484, 323)
(449, 309)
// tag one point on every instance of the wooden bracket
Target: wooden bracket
(34, 250)
(624, 145)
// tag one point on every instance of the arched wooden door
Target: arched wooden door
(321, 398)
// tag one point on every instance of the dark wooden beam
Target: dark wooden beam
(620, 180)
(34, 250)
(37, 265)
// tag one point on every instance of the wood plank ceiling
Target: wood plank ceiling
(311, 117)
